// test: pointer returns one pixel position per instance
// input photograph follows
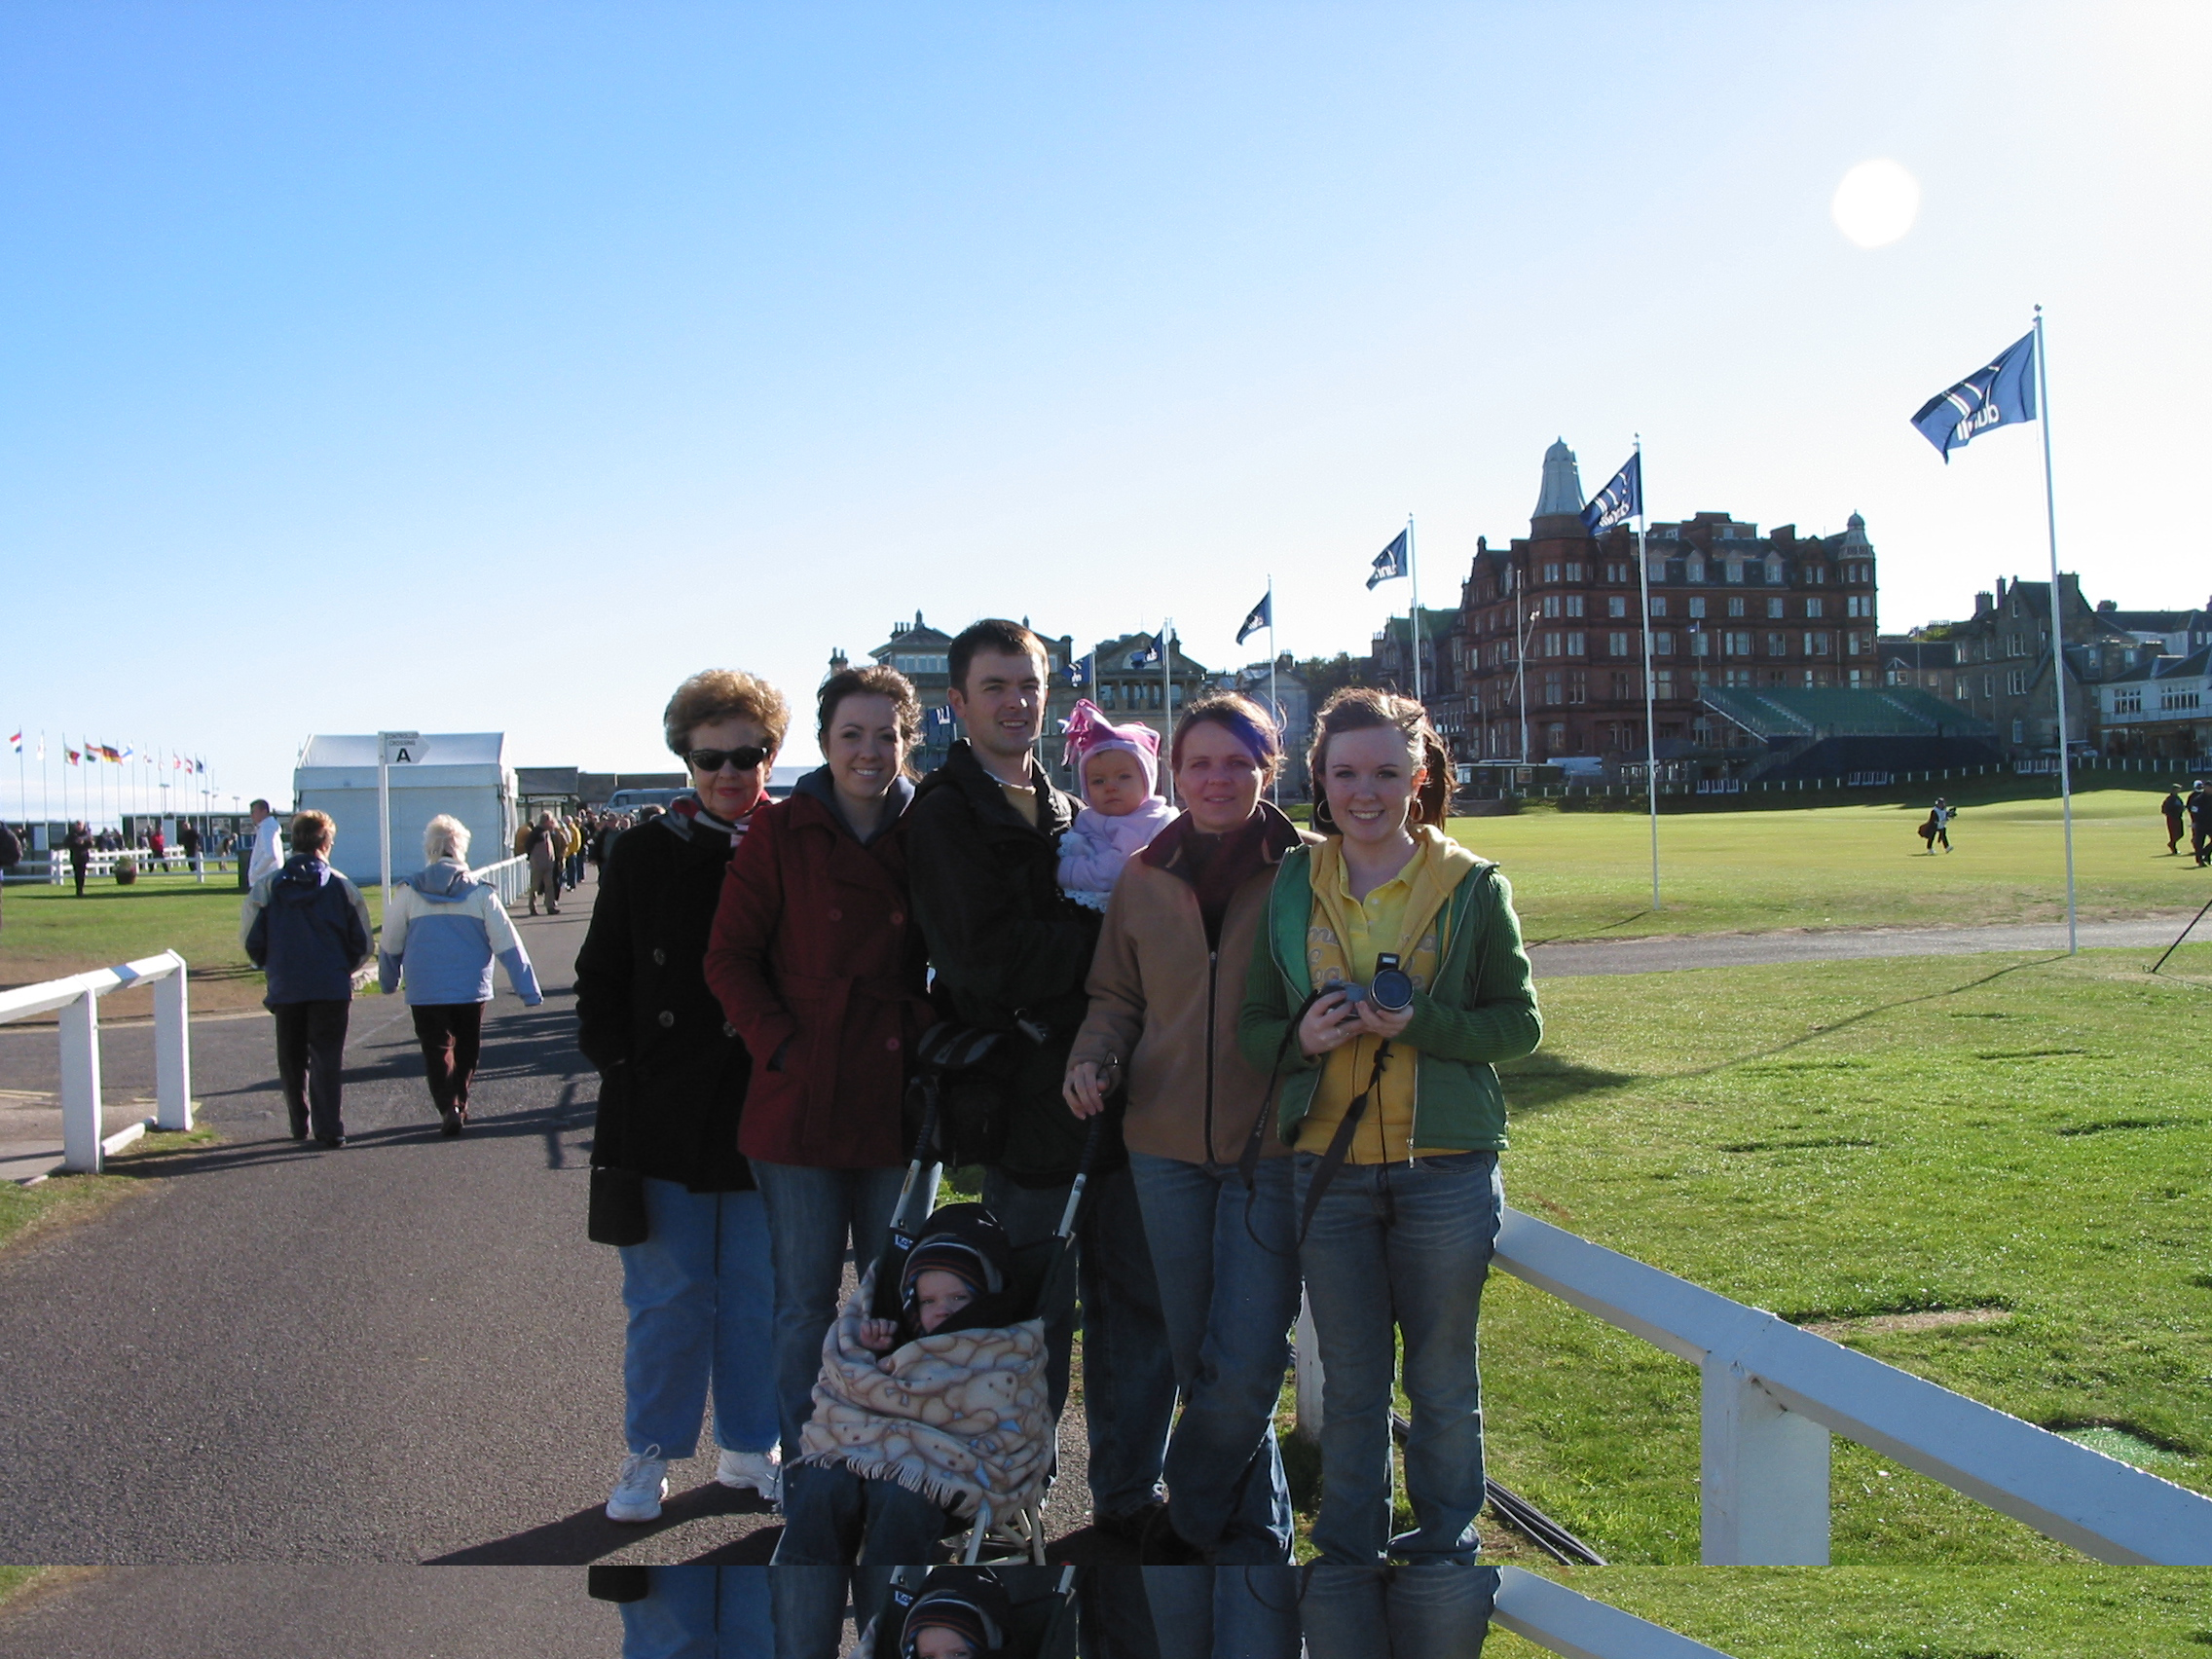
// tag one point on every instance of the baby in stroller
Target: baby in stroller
(932, 1407)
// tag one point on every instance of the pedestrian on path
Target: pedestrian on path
(188, 838)
(2199, 805)
(697, 1288)
(1165, 987)
(441, 935)
(816, 960)
(1388, 981)
(11, 853)
(79, 843)
(267, 856)
(2176, 815)
(544, 845)
(307, 925)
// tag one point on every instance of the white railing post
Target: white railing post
(1307, 1354)
(81, 1084)
(1765, 1476)
(173, 1051)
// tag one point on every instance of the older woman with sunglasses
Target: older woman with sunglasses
(698, 1288)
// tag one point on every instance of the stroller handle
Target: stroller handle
(1090, 1142)
(923, 1145)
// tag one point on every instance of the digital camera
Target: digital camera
(1391, 989)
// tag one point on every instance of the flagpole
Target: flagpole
(1413, 572)
(1650, 702)
(1274, 699)
(1167, 697)
(2057, 642)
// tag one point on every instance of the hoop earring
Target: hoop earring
(1321, 814)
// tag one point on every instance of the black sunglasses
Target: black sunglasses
(706, 761)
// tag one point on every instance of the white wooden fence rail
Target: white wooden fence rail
(510, 877)
(1561, 1620)
(1772, 1394)
(82, 1146)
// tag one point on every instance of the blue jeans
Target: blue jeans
(834, 1518)
(697, 1292)
(1229, 1299)
(810, 1214)
(1128, 1374)
(810, 1608)
(699, 1612)
(1227, 1612)
(1401, 1612)
(1404, 1245)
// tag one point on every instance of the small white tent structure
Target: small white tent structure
(462, 773)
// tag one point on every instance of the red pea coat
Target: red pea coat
(817, 962)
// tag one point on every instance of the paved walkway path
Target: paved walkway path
(298, 1612)
(1738, 950)
(402, 1352)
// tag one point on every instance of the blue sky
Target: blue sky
(485, 367)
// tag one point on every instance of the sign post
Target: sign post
(393, 749)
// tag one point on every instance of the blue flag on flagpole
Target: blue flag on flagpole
(1079, 672)
(1391, 561)
(2000, 394)
(1145, 655)
(941, 721)
(1260, 615)
(1621, 499)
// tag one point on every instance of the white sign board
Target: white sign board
(402, 748)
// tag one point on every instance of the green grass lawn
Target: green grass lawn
(50, 931)
(1753, 1613)
(2022, 1139)
(1588, 875)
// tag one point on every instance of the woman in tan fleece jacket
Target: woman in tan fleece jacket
(1165, 987)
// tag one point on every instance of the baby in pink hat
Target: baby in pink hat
(1119, 767)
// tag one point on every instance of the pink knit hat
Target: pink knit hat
(1089, 731)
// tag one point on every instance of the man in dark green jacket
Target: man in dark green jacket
(1011, 954)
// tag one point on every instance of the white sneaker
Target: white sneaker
(759, 1470)
(639, 1487)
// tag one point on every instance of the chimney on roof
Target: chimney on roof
(1982, 602)
(1562, 491)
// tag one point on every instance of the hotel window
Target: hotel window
(1778, 644)
(1577, 688)
(1574, 604)
(1623, 687)
(1813, 610)
(2017, 683)
(1554, 694)
(1616, 605)
(1988, 686)
(1817, 644)
(2127, 702)
(1694, 570)
(1858, 604)
(1559, 736)
(1774, 609)
(1618, 643)
(1736, 606)
(1573, 570)
(1858, 678)
(1662, 683)
(1697, 607)
(1575, 643)
(1774, 576)
(1658, 605)
(1551, 572)
(1736, 644)
(1737, 677)
(1550, 645)
(1551, 605)
(1962, 691)
(1663, 643)
(1701, 644)
(1616, 573)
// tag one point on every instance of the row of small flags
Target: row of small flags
(90, 751)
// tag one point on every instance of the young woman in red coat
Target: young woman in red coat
(817, 962)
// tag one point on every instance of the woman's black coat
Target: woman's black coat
(672, 1071)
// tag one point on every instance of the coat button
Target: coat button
(667, 1018)
(836, 915)
(897, 918)
(661, 957)
(729, 1030)
(892, 1044)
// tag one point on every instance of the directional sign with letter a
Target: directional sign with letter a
(402, 748)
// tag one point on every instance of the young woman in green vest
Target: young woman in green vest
(1387, 1092)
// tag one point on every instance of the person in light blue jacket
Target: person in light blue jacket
(440, 934)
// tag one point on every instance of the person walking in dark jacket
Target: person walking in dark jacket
(307, 925)
(79, 843)
(2176, 815)
(1011, 953)
(673, 1078)
(2199, 808)
(817, 962)
(545, 847)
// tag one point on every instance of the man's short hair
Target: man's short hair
(313, 832)
(993, 633)
(723, 694)
(260, 801)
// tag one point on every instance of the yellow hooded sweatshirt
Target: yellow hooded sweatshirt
(1401, 916)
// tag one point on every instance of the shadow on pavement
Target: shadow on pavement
(588, 1535)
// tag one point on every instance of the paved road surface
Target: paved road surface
(401, 1351)
(1738, 950)
(299, 1612)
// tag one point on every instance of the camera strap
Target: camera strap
(1340, 1143)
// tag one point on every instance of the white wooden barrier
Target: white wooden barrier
(510, 877)
(101, 866)
(82, 1146)
(1772, 1394)
(1562, 1621)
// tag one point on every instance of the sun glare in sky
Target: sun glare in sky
(1876, 202)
